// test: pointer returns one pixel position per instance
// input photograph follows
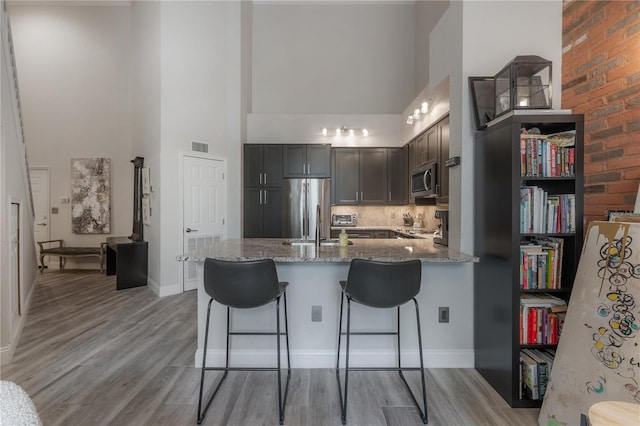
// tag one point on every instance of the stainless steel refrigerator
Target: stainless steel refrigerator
(302, 201)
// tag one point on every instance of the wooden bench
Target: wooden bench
(63, 252)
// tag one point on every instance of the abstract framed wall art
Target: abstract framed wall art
(598, 357)
(91, 195)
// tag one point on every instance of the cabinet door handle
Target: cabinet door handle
(389, 195)
(308, 168)
(260, 178)
(265, 197)
(356, 196)
(260, 196)
(304, 170)
(361, 197)
(265, 179)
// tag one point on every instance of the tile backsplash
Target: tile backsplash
(389, 215)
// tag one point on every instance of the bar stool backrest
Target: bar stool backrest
(242, 284)
(383, 284)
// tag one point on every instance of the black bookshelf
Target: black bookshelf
(497, 239)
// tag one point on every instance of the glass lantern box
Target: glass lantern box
(524, 83)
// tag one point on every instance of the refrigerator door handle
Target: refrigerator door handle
(305, 203)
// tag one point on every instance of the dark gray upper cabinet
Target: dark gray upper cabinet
(262, 165)
(307, 161)
(397, 175)
(415, 155)
(373, 176)
(345, 176)
(443, 170)
(359, 176)
(432, 145)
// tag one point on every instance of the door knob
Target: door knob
(191, 230)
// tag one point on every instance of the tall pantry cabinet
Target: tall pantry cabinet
(262, 191)
(508, 168)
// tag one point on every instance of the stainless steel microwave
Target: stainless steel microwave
(424, 181)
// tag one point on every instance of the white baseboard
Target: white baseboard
(436, 358)
(169, 290)
(6, 352)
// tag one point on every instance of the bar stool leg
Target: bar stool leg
(204, 363)
(425, 418)
(202, 412)
(339, 334)
(399, 363)
(278, 355)
(346, 369)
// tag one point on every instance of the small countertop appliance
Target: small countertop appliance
(343, 220)
(441, 236)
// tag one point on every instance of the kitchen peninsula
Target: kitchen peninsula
(313, 274)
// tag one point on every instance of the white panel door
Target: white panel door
(204, 207)
(40, 190)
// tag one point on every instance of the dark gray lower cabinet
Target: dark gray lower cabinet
(263, 212)
(363, 233)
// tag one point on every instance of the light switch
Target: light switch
(54, 210)
(65, 200)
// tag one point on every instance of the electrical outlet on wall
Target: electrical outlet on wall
(316, 313)
(443, 314)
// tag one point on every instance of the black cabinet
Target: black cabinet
(433, 145)
(262, 191)
(262, 165)
(359, 176)
(424, 148)
(397, 176)
(312, 161)
(443, 156)
(363, 233)
(373, 176)
(498, 185)
(128, 260)
(263, 212)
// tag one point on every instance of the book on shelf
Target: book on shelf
(547, 155)
(542, 369)
(541, 319)
(529, 376)
(541, 212)
(541, 263)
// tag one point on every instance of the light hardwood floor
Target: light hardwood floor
(92, 355)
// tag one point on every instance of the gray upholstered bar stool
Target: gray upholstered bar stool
(380, 285)
(244, 285)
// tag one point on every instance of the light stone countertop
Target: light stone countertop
(386, 250)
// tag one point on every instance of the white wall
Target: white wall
(200, 98)
(338, 58)
(14, 188)
(515, 39)
(427, 15)
(146, 107)
(73, 64)
(476, 38)
(331, 65)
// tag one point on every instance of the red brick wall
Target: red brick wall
(601, 79)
